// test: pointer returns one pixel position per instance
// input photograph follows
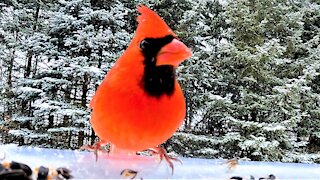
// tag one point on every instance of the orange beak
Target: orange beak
(173, 53)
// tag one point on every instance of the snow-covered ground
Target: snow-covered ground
(83, 165)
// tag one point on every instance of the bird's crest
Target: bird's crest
(151, 25)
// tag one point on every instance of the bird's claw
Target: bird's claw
(164, 155)
(96, 147)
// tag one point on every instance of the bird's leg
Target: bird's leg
(161, 151)
(97, 146)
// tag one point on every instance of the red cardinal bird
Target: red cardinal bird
(139, 104)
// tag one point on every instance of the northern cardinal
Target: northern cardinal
(139, 104)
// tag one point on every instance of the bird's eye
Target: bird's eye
(144, 44)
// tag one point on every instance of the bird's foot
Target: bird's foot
(96, 147)
(161, 151)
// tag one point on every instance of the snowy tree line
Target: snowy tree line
(252, 86)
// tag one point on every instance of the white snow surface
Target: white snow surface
(83, 165)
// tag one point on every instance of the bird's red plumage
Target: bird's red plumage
(123, 113)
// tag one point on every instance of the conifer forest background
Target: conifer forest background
(252, 85)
